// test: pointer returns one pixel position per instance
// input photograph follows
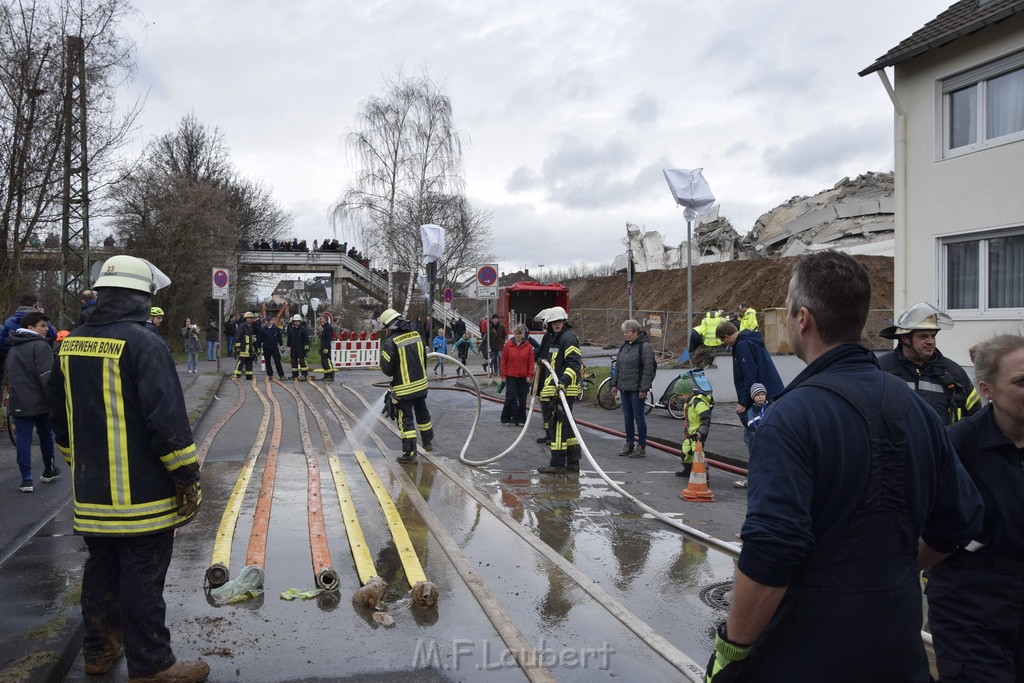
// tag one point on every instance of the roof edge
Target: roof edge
(890, 59)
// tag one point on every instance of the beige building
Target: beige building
(958, 95)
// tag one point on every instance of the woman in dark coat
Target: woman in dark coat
(634, 373)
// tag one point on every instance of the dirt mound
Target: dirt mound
(761, 283)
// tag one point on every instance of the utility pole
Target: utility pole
(629, 270)
(74, 270)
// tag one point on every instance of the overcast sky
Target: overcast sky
(570, 110)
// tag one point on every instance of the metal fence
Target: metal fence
(670, 334)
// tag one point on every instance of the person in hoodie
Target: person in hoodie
(29, 302)
(634, 372)
(29, 363)
(751, 365)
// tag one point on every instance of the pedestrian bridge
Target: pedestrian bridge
(342, 267)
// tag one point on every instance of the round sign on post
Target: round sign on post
(448, 295)
(220, 283)
(487, 276)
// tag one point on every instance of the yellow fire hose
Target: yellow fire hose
(217, 574)
(424, 592)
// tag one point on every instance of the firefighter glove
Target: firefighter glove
(188, 496)
(728, 663)
(390, 406)
(696, 437)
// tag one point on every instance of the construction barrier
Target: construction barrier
(355, 354)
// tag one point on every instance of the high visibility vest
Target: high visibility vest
(748, 321)
(707, 329)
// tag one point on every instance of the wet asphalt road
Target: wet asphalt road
(643, 564)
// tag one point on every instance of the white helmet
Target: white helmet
(920, 316)
(542, 317)
(296, 318)
(388, 316)
(130, 272)
(556, 314)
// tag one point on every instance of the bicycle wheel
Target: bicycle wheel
(648, 404)
(605, 398)
(676, 406)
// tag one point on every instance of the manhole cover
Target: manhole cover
(718, 595)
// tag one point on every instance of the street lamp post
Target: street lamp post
(692, 192)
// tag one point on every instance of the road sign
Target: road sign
(448, 295)
(487, 281)
(221, 278)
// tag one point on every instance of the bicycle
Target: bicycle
(610, 400)
(8, 418)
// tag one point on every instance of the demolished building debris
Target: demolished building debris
(856, 216)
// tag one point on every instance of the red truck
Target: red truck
(521, 302)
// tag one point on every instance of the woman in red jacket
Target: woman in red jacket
(517, 373)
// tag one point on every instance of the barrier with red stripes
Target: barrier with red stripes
(356, 354)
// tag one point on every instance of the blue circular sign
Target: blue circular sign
(220, 278)
(487, 276)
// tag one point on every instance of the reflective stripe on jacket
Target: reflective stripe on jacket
(119, 416)
(566, 359)
(403, 358)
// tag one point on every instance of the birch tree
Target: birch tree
(410, 165)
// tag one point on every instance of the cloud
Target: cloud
(828, 148)
(644, 109)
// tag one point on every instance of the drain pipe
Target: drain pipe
(901, 245)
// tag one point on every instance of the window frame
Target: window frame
(980, 76)
(983, 311)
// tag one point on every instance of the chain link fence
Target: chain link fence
(670, 334)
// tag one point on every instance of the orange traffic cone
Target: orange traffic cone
(697, 490)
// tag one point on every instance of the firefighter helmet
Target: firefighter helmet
(388, 316)
(130, 272)
(920, 316)
(249, 314)
(555, 315)
(296, 318)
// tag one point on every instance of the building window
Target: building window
(983, 274)
(984, 106)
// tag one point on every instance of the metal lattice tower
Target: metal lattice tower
(74, 270)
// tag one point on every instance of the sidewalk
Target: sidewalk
(41, 558)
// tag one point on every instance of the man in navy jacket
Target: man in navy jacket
(751, 364)
(854, 488)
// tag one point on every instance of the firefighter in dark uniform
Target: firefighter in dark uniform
(545, 390)
(245, 345)
(403, 358)
(942, 384)
(298, 347)
(326, 341)
(119, 417)
(269, 340)
(565, 359)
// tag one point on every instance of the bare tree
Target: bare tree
(185, 209)
(410, 157)
(32, 57)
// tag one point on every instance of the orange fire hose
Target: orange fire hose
(323, 571)
(257, 552)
